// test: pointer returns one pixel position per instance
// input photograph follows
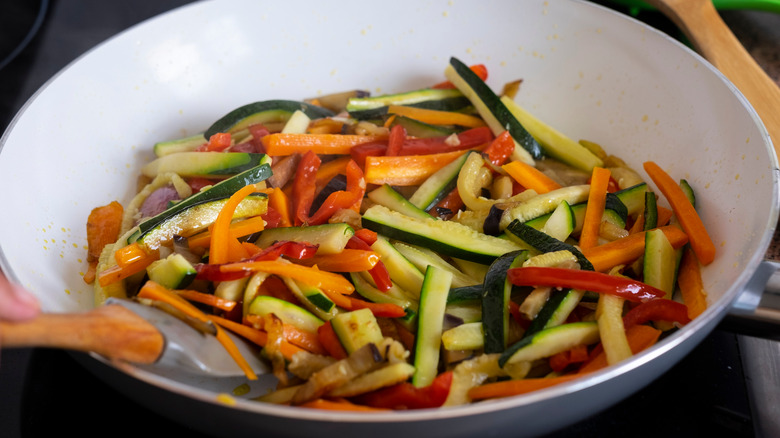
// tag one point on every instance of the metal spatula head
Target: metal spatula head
(193, 351)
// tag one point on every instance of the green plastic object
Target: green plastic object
(759, 5)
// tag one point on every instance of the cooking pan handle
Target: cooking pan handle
(757, 310)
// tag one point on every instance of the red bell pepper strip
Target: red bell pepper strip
(351, 198)
(330, 341)
(407, 396)
(500, 149)
(396, 140)
(304, 187)
(366, 235)
(217, 143)
(296, 250)
(197, 183)
(660, 309)
(468, 139)
(627, 288)
(379, 272)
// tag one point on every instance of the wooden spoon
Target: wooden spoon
(711, 37)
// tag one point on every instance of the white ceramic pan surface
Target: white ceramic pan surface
(590, 72)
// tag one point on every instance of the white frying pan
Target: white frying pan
(592, 73)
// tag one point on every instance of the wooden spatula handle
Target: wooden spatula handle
(711, 37)
(112, 331)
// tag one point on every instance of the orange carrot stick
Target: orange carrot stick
(663, 215)
(406, 170)
(339, 405)
(117, 272)
(691, 287)
(207, 299)
(330, 342)
(237, 229)
(530, 177)
(254, 335)
(436, 117)
(629, 248)
(685, 212)
(594, 210)
(287, 144)
(348, 260)
(220, 245)
(509, 388)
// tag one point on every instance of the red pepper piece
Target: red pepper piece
(407, 396)
(217, 143)
(197, 183)
(304, 187)
(272, 218)
(379, 272)
(396, 140)
(468, 139)
(500, 149)
(330, 341)
(627, 288)
(356, 188)
(360, 152)
(660, 309)
(366, 235)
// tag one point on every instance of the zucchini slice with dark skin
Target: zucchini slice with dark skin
(544, 243)
(263, 112)
(490, 107)
(220, 190)
(496, 291)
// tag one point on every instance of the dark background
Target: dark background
(44, 393)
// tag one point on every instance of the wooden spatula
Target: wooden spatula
(712, 38)
(128, 331)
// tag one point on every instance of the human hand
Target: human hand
(16, 303)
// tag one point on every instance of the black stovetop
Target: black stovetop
(44, 392)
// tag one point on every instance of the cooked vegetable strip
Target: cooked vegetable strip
(628, 249)
(349, 260)
(627, 288)
(154, 291)
(408, 170)
(204, 298)
(222, 244)
(330, 169)
(509, 388)
(116, 272)
(530, 177)
(640, 337)
(304, 186)
(613, 337)
(237, 229)
(278, 201)
(327, 281)
(435, 117)
(256, 336)
(685, 212)
(287, 144)
(103, 227)
(691, 287)
(595, 208)
(339, 405)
